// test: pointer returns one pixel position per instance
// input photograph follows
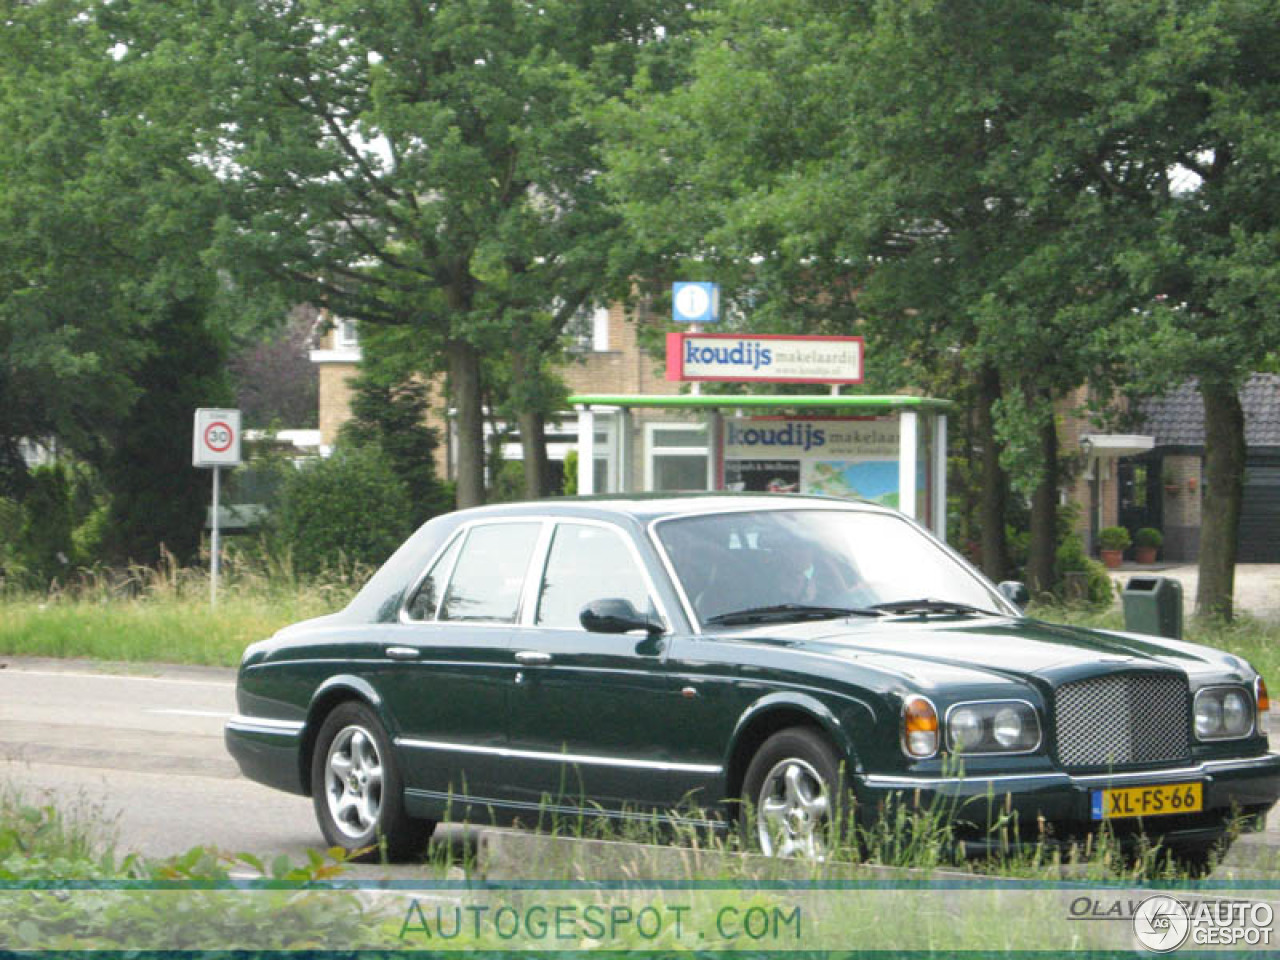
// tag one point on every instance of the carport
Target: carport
(874, 433)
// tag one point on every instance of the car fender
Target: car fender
(789, 702)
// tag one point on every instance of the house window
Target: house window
(345, 333)
(676, 456)
(588, 330)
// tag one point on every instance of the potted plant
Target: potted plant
(1145, 544)
(1170, 482)
(1113, 542)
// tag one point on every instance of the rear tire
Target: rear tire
(794, 799)
(357, 789)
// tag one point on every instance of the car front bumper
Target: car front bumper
(1063, 802)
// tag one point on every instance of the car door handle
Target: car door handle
(402, 653)
(532, 657)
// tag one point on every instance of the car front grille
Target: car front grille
(1123, 719)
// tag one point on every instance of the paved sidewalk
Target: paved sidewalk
(1257, 585)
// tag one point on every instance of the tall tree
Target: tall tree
(422, 165)
(1180, 107)
(103, 219)
(876, 164)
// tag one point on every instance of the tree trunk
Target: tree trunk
(525, 367)
(995, 484)
(1043, 552)
(1224, 454)
(533, 443)
(464, 383)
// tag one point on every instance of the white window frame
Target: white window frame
(345, 334)
(652, 451)
(600, 330)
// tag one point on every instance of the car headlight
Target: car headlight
(919, 728)
(996, 726)
(1223, 713)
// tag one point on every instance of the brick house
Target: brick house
(607, 358)
(1154, 477)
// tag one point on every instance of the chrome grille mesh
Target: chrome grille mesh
(1123, 719)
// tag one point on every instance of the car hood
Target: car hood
(938, 649)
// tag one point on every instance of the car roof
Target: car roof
(652, 506)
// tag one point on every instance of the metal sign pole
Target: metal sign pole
(215, 546)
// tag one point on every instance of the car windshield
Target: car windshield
(774, 561)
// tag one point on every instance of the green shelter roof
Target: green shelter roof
(689, 401)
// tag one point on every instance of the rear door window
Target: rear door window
(488, 578)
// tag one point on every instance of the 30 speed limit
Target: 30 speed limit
(216, 441)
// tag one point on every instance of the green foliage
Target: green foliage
(57, 526)
(507, 485)
(1148, 537)
(158, 500)
(1083, 578)
(571, 473)
(1114, 538)
(350, 506)
(187, 902)
(389, 410)
(103, 218)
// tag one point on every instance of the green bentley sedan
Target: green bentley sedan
(789, 666)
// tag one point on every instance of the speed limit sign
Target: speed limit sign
(216, 442)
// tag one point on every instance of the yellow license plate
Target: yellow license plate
(1155, 801)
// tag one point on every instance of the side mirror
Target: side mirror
(615, 615)
(1015, 592)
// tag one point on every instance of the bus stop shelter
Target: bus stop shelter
(865, 439)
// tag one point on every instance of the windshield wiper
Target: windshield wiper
(790, 611)
(929, 605)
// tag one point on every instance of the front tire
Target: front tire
(357, 789)
(794, 796)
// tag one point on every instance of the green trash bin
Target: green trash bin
(1153, 605)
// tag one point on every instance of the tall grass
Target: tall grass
(164, 613)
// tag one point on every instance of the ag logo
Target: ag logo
(1161, 924)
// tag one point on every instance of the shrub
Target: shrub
(1114, 538)
(1098, 590)
(1148, 537)
(570, 488)
(350, 507)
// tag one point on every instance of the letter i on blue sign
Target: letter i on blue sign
(695, 302)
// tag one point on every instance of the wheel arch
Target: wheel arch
(775, 712)
(336, 690)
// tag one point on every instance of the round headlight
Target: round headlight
(966, 729)
(1007, 728)
(1208, 716)
(1235, 713)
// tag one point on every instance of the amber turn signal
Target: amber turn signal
(1264, 703)
(919, 728)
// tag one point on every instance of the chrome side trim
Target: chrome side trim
(1207, 768)
(562, 808)
(511, 753)
(290, 728)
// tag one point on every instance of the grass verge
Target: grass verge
(164, 614)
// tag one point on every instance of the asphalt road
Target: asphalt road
(142, 752)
